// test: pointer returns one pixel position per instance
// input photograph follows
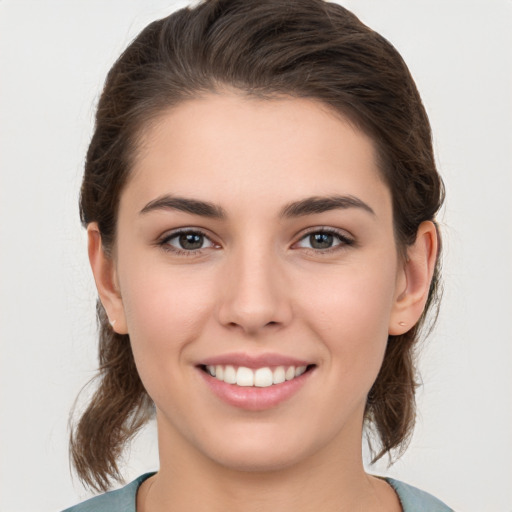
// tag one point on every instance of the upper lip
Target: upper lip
(253, 360)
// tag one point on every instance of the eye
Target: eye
(324, 239)
(186, 241)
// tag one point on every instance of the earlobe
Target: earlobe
(418, 270)
(103, 269)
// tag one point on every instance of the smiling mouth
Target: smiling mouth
(259, 377)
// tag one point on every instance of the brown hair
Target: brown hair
(300, 48)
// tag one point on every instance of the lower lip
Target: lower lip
(253, 398)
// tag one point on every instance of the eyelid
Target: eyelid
(163, 240)
(344, 238)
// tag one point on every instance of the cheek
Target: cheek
(350, 310)
(164, 311)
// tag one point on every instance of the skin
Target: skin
(259, 286)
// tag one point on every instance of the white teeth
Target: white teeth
(279, 375)
(229, 375)
(290, 373)
(300, 370)
(244, 377)
(261, 377)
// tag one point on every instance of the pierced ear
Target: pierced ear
(103, 269)
(417, 273)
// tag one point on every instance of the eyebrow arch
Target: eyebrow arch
(307, 206)
(194, 206)
(319, 204)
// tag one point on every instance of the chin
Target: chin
(261, 452)
(257, 461)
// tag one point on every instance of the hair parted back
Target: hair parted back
(268, 48)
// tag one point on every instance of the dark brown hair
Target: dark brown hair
(300, 48)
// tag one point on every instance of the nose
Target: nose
(254, 295)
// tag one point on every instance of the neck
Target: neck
(333, 479)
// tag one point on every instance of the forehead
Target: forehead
(228, 146)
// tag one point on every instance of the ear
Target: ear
(413, 281)
(104, 271)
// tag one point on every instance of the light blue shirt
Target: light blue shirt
(124, 499)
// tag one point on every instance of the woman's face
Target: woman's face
(255, 241)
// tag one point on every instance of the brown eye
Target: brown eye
(321, 240)
(191, 241)
(186, 241)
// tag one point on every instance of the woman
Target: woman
(260, 197)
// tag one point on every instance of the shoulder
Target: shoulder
(416, 500)
(120, 500)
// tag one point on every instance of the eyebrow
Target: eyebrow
(194, 206)
(308, 206)
(319, 204)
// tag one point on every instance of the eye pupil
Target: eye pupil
(321, 240)
(191, 241)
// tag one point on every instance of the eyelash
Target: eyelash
(344, 241)
(164, 242)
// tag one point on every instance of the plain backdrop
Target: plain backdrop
(53, 59)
